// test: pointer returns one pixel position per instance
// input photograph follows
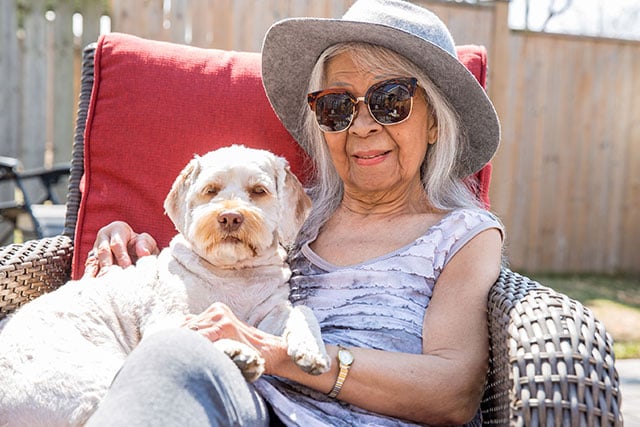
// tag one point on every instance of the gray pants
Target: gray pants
(178, 378)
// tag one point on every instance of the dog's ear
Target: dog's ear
(175, 205)
(294, 203)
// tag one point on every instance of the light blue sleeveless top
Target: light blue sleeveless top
(379, 304)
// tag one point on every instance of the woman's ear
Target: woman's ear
(175, 204)
(432, 124)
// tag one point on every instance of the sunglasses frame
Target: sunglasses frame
(410, 83)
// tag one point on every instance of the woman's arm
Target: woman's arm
(444, 385)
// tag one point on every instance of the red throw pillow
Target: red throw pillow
(154, 106)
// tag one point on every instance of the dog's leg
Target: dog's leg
(250, 363)
(299, 327)
(304, 341)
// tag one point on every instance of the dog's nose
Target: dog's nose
(230, 221)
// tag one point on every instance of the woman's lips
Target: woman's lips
(370, 158)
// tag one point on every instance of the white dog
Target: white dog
(234, 209)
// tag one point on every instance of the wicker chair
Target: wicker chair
(551, 361)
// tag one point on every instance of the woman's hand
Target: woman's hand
(118, 244)
(218, 322)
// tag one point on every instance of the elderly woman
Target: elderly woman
(396, 259)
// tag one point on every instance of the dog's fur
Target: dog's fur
(234, 209)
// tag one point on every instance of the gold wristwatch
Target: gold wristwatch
(346, 360)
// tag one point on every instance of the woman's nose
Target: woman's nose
(363, 123)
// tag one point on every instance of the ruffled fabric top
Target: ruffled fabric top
(378, 304)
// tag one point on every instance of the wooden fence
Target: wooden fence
(565, 180)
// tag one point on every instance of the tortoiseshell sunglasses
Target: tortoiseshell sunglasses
(389, 103)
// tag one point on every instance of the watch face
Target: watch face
(345, 357)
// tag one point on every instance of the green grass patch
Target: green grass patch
(621, 289)
(615, 301)
(626, 350)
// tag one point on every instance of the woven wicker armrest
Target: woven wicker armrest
(28, 270)
(552, 362)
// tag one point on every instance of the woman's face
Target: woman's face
(369, 157)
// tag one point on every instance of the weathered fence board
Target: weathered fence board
(565, 180)
(33, 71)
(9, 71)
(60, 76)
(565, 173)
(8, 88)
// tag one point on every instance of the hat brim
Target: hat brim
(292, 47)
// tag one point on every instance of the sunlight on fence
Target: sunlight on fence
(40, 66)
(77, 22)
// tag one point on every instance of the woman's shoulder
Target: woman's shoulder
(460, 226)
(468, 222)
(470, 217)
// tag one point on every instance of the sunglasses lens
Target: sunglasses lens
(391, 102)
(334, 111)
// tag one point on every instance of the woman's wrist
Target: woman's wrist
(276, 357)
(283, 366)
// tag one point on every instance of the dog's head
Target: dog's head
(237, 203)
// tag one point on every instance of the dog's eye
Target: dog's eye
(258, 190)
(211, 191)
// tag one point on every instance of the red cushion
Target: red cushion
(474, 57)
(156, 104)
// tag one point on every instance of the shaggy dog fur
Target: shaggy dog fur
(234, 208)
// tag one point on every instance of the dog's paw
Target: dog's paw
(304, 341)
(249, 361)
(310, 360)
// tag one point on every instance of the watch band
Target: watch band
(345, 358)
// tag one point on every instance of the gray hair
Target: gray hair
(444, 190)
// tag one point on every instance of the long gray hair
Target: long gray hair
(444, 190)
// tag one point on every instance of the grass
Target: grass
(615, 301)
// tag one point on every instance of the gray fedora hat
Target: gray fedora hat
(292, 46)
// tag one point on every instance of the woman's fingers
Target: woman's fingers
(111, 245)
(117, 243)
(142, 245)
(216, 322)
(91, 267)
(203, 325)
